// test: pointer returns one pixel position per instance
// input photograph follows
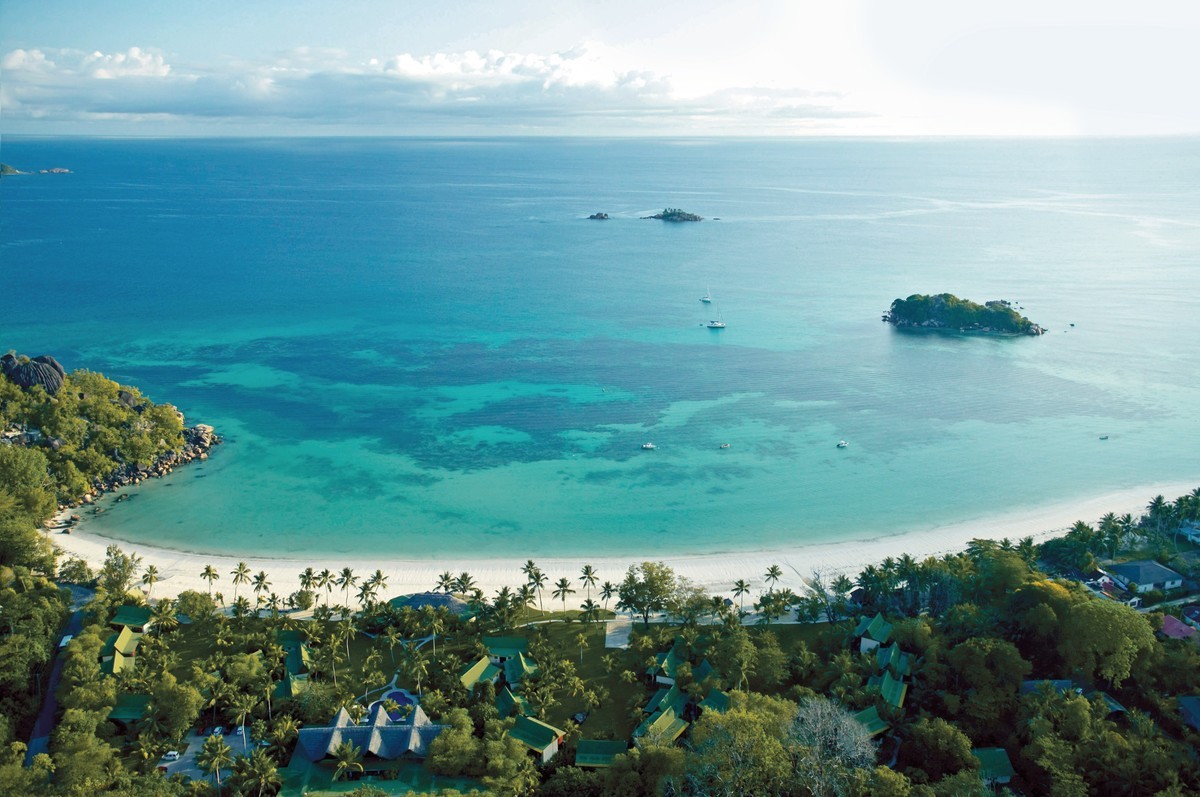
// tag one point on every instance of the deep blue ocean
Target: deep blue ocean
(423, 347)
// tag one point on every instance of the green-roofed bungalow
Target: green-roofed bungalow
(518, 668)
(891, 657)
(479, 672)
(873, 632)
(117, 662)
(703, 670)
(598, 753)
(537, 736)
(508, 704)
(666, 726)
(869, 718)
(715, 700)
(502, 648)
(136, 617)
(663, 669)
(667, 698)
(292, 685)
(129, 709)
(125, 641)
(893, 690)
(994, 765)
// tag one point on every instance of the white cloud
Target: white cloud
(134, 62)
(589, 88)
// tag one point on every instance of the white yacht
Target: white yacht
(648, 446)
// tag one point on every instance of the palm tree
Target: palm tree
(587, 577)
(366, 594)
(210, 575)
(214, 756)
(391, 638)
(346, 580)
(240, 708)
(591, 612)
(308, 579)
(418, 666)
(163, 617)
(582, 639)
(740, 590)
(283, 730)
(258, 771)
(261, 584)
(149, 578)
(526, 596)
(537, 580)
(445, 581)
(434, 622)
(241, 608)
(325, 582)
(607, 590)
(241, 575)
(349, 759)
(464, 583)
(529, 568)
(562, 588)
(774, 573)
(379, 580)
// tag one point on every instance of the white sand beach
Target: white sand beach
(716, 573)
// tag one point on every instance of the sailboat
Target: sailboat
(716, 324)
(707, 297)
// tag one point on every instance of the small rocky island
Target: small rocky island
(947, 312)
(8, 171)
(600, 216)
(675, 214)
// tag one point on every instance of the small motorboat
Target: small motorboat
(648, 446)
(842, 444)
(1103, 437)
(724, 445)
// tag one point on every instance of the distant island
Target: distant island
(600, 216)
(945, 311)
(8, 171)
(675, 214)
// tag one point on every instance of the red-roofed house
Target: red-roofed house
(1175, 628)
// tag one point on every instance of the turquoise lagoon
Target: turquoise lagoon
(422, 348)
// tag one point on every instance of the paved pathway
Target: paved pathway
(616, 632)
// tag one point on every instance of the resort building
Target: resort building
(119, 651)
(481, 671)
(129, 710)
(869, 718)
(438, 600)
(508, 703)
(995, 768)
(538, 736)
(872, 633)
(379, 736)
(136, 618)
(1144, 576)
(598, 753)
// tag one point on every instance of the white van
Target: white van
(65, 640)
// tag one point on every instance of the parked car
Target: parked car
(171, 755)
(217, 731)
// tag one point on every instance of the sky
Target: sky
(610, 68)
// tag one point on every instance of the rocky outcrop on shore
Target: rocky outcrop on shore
(600, 216)
(198, 440)
(25, 372)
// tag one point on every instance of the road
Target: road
(39, 741)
